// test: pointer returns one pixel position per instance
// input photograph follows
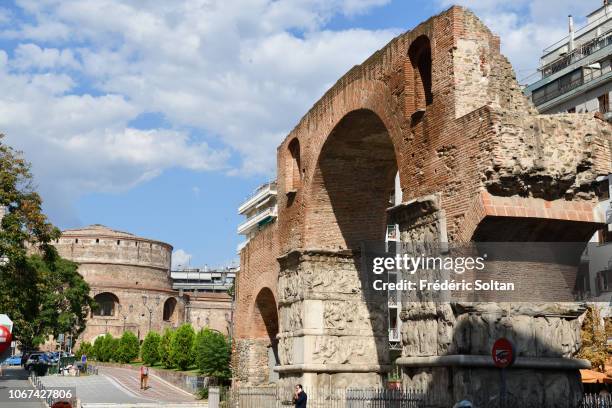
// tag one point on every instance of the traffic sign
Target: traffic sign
(503, 353)
(5, 339)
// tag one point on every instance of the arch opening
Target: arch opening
(169, 309)
(420, 59)
(353, 184)
(292, 169)
(106, 304)
(266, 327)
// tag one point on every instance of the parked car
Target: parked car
(36, 358)
(14, 360)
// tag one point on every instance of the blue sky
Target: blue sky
(160, 120)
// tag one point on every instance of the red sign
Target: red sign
(503, 353)
(5, 339)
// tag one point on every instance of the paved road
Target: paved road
(158, 391)
(115, 387)
(16, 377)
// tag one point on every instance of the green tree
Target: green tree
(182, 346)
(593, 336)
(128, 348)
(213, 354)
(149, 352)
(165, 349)
(41, 292)
(104, 347)
(85, 348)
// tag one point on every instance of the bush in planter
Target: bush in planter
(165, 349)
(149, 351)
(104, 347)
(182, 346)
(128, 348)
(213, 354)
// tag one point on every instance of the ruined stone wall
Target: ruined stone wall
(258, 272)
(476, 162)
(213, 310)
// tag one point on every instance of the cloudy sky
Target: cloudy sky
(159, 117)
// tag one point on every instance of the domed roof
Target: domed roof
(97, 230)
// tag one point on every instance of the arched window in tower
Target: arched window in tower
(106, 304)
(169, 308)
(293, 175)
(420, 59)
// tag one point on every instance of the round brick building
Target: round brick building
(129, 278)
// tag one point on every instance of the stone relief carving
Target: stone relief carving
(355, 315)
(342, 350)
(291, 317)
(285, 350)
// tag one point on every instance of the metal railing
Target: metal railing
(547, 96)
(596, 401)
(582, 51)
(279, 397)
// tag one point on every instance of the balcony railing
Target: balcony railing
(258, 194)
(254, 221)
(582, 51)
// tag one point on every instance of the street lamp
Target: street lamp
(150, 309)
(125, 315)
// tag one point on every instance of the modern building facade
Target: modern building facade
(259, 210)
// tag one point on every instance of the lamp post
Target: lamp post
(125, 315)
(150, 309)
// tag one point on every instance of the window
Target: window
(571, 110)
(97, 240)
(293, 176)
(105, 304)
(118, 242)
(169, 307)
(420, 59)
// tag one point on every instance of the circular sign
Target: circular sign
(503, 353)
(5, 339)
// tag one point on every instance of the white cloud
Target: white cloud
(236, 75)
(526, 27)
(180, 258)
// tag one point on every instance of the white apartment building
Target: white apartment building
(259, 209)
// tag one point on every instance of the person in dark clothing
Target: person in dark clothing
(300, 397)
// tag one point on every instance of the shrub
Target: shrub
(165, 349)
(593, 338)
(103, 347)
(182, 346)
(85, 348)
(150, 348)
(213, 354)
(128, 348)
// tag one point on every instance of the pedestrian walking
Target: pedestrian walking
(144, 377)
(299, 397)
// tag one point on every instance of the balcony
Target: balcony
(257, 220)
(258, 195)
(581, 52)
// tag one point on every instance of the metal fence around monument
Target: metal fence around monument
(278, 397)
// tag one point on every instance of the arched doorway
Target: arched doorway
(265, 321)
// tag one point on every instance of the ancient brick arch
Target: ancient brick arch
(441, 106)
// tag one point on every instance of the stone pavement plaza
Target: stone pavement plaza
(13, 378)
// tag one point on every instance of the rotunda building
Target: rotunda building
(129, 277)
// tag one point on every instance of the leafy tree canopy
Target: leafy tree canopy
(150, 348)
(41, 292)
(213, 354)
